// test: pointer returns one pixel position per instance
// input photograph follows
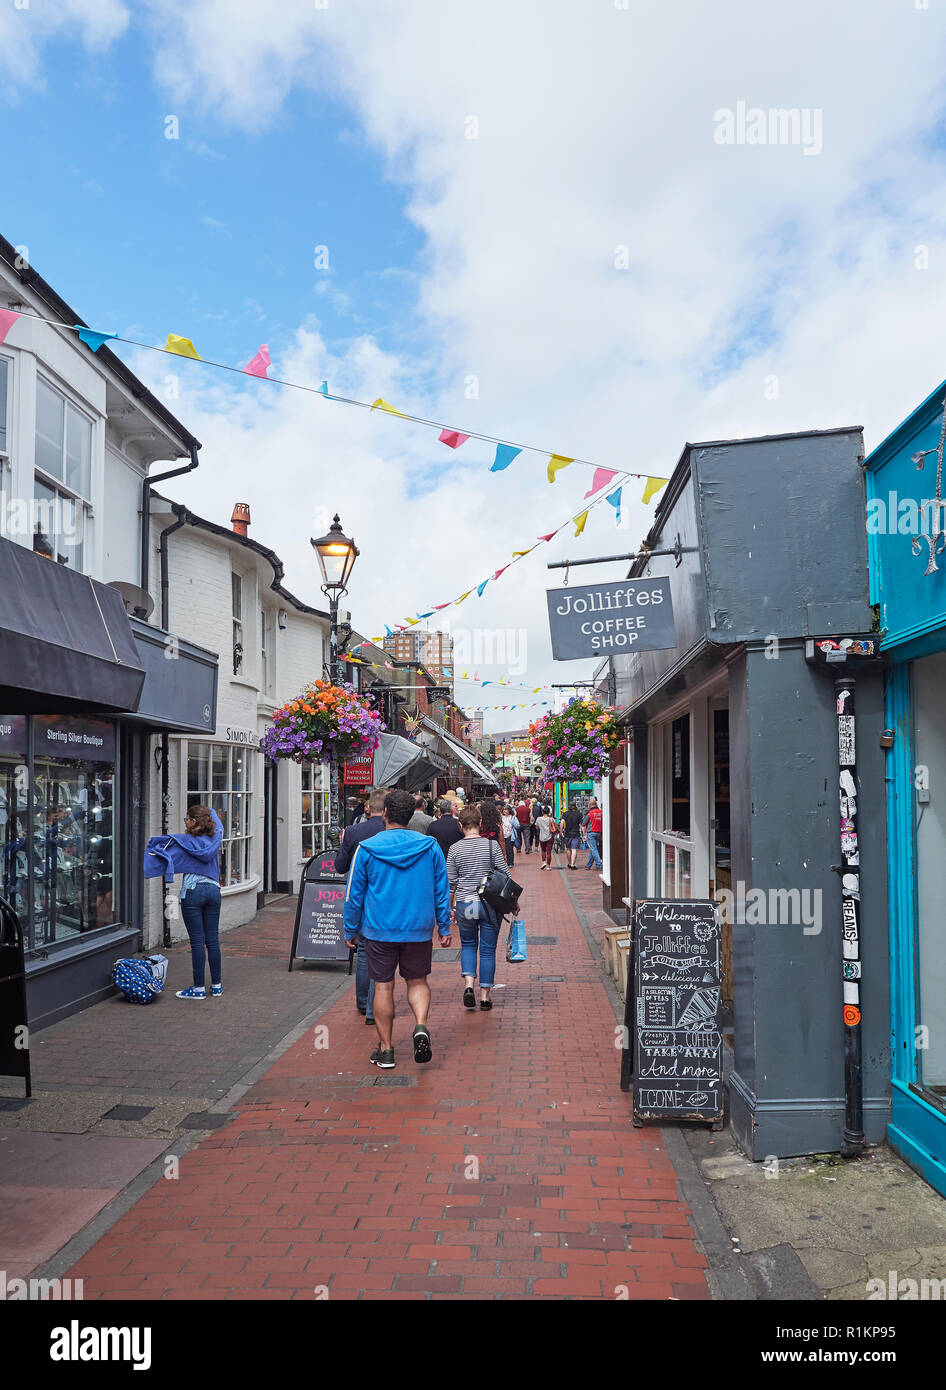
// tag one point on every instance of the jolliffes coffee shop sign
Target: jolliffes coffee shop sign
(631, 615)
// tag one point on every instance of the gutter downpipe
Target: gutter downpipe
(165, 741)
(147, 483)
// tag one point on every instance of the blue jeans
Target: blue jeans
(200, 909)
(364, 987)
(482, 933)
(594, 851)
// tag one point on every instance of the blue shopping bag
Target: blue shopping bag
(516, 949)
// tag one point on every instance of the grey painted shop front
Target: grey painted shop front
(734, 777)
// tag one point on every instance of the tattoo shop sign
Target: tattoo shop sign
(633, 615)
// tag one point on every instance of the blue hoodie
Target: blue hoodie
(397, 889)
(185, 854)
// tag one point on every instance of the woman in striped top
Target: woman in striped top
(468, 863)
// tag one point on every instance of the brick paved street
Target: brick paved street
(508, 1167)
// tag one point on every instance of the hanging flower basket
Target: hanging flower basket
(577, 742)
(325, 721)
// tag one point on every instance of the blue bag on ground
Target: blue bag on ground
(140, 980)
(516, 949)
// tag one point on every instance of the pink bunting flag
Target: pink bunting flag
(499, 572)
(550, 535)
(601, 479)
(259, 366)
(7, 319)
(441, 605)
(452, 438)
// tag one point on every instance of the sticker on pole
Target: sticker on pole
(632, 615)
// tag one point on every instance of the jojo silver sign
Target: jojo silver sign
(633, 615)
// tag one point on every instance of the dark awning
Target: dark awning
(65, 641)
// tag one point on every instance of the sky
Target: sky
(520, 216)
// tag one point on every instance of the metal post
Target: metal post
(334, 834)
(854, 1140)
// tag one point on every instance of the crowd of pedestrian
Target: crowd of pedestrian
(414, 867)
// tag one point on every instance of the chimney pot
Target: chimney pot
(240, 518)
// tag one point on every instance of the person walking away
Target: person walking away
(523, 815)
(491, 823)
(510, 832)
(397, 893)
(547, 830)
(468, 863)
(366, 829)
(420, 821)
(536, 811)
(592, 828)
(196, 855)
(446, 829)
(572, 826)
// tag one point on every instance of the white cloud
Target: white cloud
(595, 132)
(24, 32)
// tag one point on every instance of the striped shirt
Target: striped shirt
(468, 863)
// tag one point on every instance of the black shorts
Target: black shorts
(413, 958)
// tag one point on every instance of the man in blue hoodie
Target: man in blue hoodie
(397, 892)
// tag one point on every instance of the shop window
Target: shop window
(671, 845)
(58, 853)
(929, 808)
(14, 813)
(315, 808)
(220, 776)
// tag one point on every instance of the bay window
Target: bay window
(221, 776)
(63, 479)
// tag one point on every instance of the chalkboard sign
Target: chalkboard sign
(672, 1015)
(319, 932)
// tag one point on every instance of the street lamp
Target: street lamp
(337, 555)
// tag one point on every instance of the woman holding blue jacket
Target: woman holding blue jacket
(196, 855)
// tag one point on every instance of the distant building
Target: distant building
(433, 650)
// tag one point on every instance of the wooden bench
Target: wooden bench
(622, 950)
(611, 934)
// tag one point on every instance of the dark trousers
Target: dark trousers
(200, 908)
(364, 986)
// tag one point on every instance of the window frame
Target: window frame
(321, 795)
(237, 586)
(59, 482)
(211, 795)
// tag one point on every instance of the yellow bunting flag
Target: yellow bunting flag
(463, 596)
(413, 621)
(556, 462)
(182, 346)
(386, 405)
(652, 486)
(580, 522)
(524, 552)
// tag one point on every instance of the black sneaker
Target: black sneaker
(469, 999)
(382, 1058)
(422, 1049)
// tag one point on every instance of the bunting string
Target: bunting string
(258, 367)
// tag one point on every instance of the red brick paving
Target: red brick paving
(508, 1167)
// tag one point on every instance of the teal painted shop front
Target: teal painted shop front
(906, 545)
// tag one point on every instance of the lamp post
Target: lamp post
(337, 555)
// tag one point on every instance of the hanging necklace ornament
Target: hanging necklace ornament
(936, 537)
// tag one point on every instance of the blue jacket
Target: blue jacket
(397, 889)
(185, 854)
